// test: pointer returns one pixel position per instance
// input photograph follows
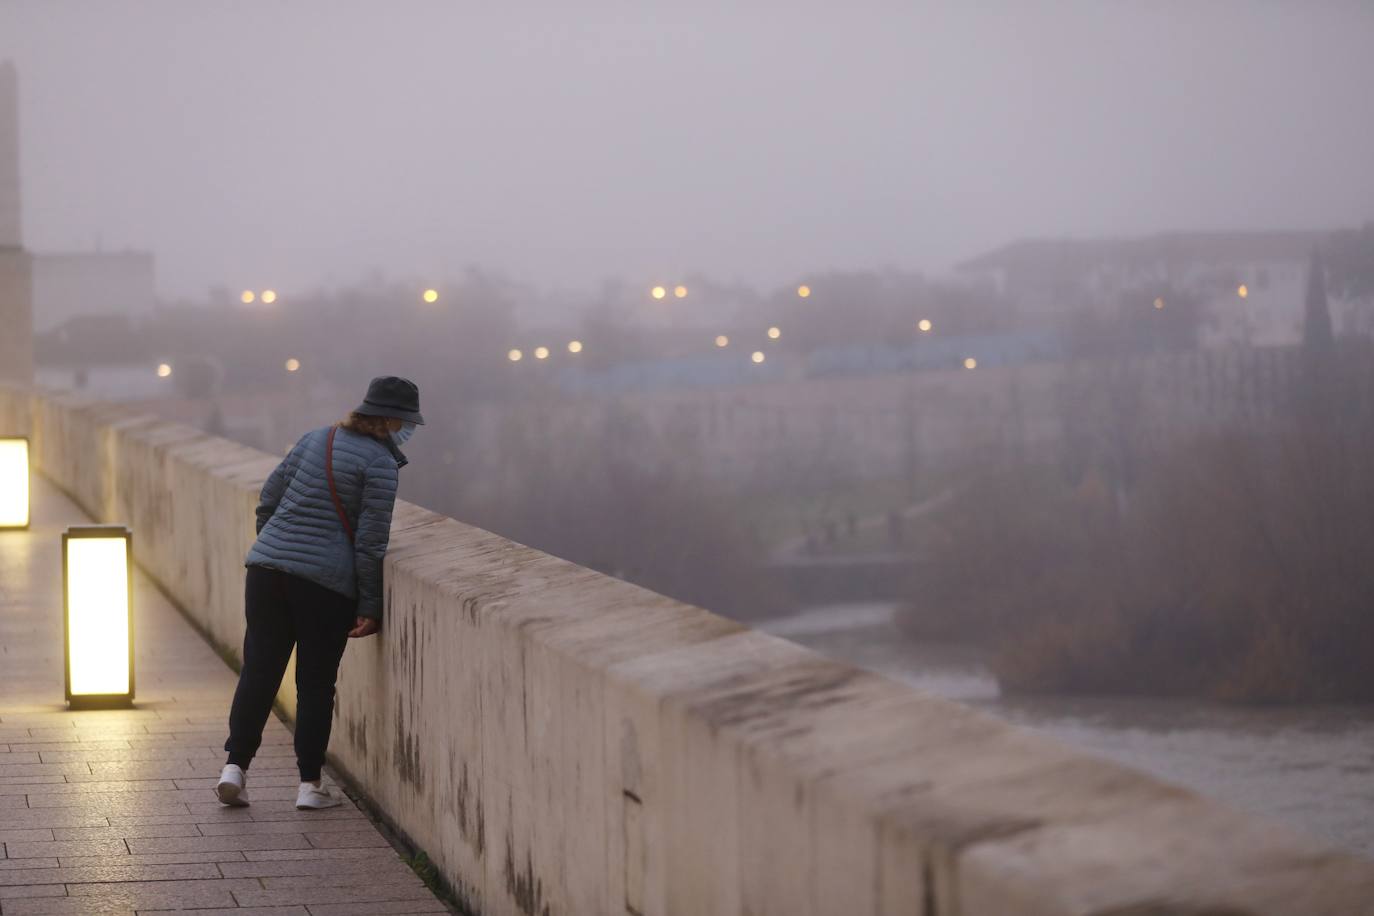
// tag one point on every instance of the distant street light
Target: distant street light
(970, 363)
(14, 482)
(541, 352)
(924, 325)
(574, 346)
(658, 292)
(803, 291)
(1243, 291)
(292, 364)
(680, 292)
(269, 296)
(163, 370)
(247, 297)
(514, 356)
(431, 295)
(758, 356)
(774, 333)
(722, 340)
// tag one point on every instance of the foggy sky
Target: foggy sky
(288, 144)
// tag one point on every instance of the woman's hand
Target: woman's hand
(366, 626)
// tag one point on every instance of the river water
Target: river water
(1309, 767)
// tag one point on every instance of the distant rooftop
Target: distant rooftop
(1218, 247)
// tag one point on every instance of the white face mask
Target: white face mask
(401, 435)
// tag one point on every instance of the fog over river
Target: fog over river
(1309, 767)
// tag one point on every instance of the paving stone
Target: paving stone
(6, 864)
(281, 894)
(89, 874)
(389, 869)
(122, 802)
(213, 843)
(39, 780)
(20, 891)
(114, 755)
(43, 768)
(246, 911)
(144, 820)
(368, 854)
(125, 831)
(289, 825)
(50, 817)
(289, 812)
(391, 908)
(61, 906)
(189, 893)
(40, 746)
(157, 769)
(155, 858)
(63, 786)
(339, 839)
(105, 847)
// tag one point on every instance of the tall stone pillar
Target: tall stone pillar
(16, 287)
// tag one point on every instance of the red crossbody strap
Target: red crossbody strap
(329, 475)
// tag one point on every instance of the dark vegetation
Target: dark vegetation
(1227, 560)
(614, 498)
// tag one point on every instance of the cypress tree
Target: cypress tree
(1317, 338)
(1318, 387)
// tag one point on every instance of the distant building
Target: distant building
(1251, 284)
(76, 284)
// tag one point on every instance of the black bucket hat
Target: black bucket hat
(389, 396)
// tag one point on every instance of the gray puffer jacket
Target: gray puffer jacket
(299, 531)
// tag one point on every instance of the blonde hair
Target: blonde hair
(366, 424)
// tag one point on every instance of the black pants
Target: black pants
(285, 611)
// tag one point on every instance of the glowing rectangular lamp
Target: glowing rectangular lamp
(14, 482)
(97, 591)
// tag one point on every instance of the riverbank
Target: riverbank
(1311, 767)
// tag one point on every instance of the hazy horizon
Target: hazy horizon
(300, 144)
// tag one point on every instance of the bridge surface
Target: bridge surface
(111, 812)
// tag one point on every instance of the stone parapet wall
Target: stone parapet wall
(560, 742)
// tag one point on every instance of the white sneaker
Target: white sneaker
(313, 795)
(233, 786)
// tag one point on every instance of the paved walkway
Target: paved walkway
(112, 812)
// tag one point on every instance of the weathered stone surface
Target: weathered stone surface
(563, 742)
